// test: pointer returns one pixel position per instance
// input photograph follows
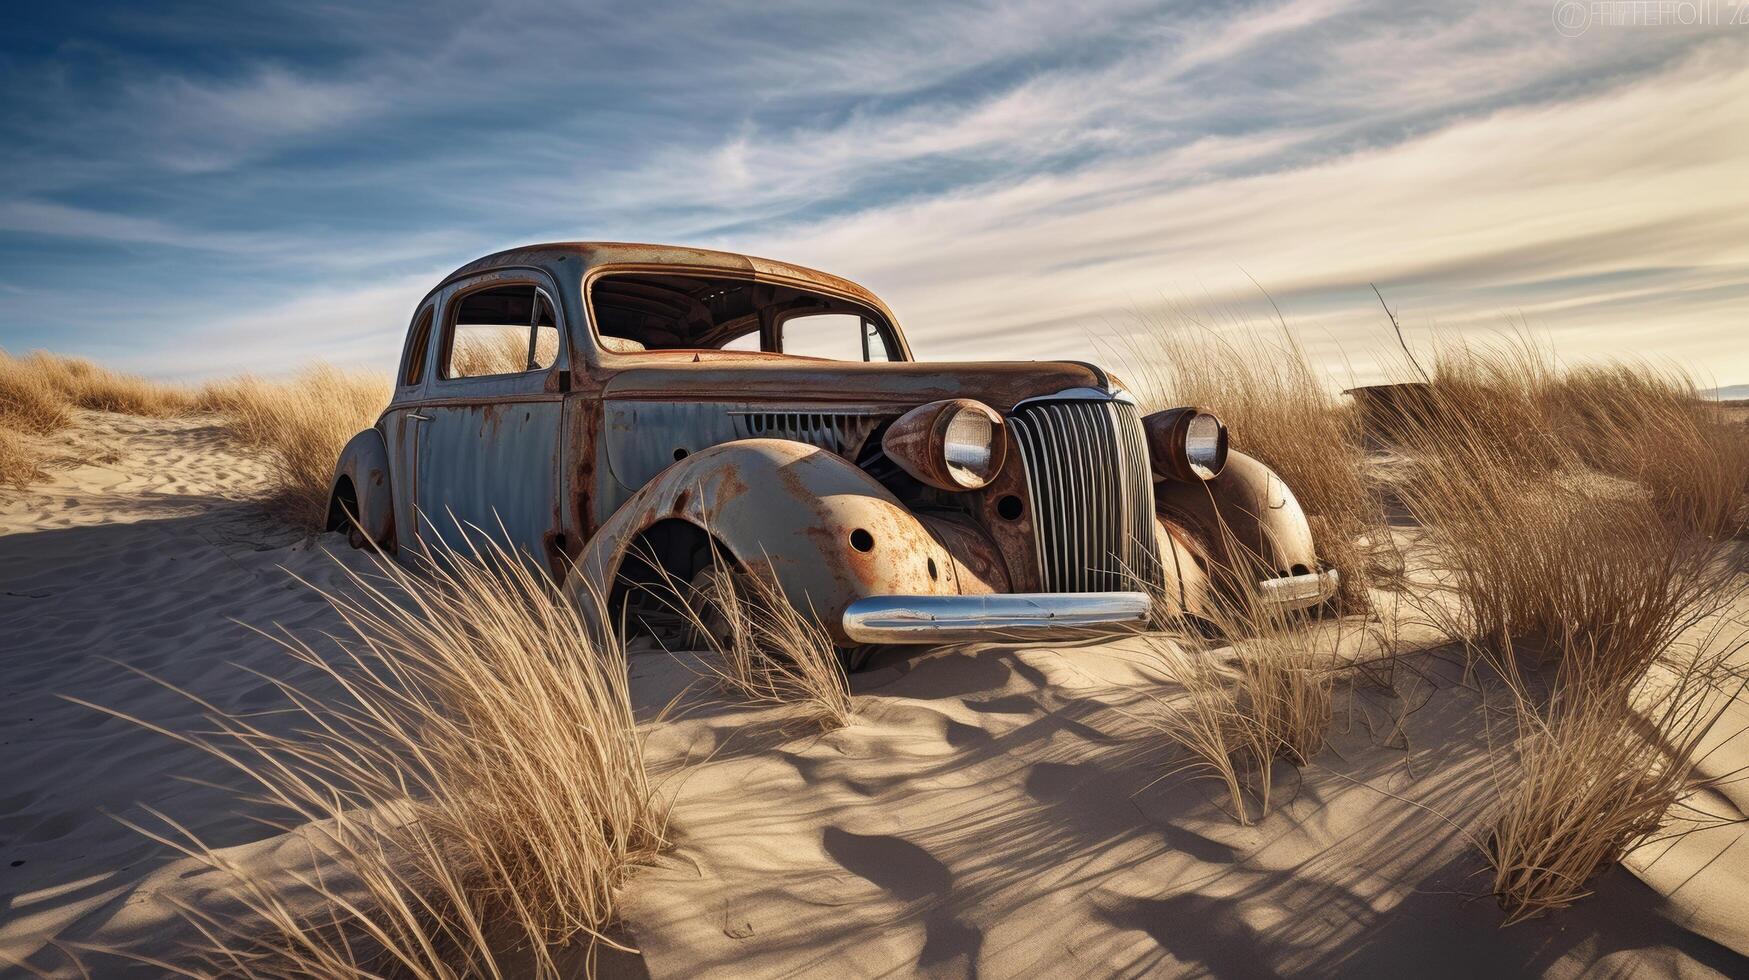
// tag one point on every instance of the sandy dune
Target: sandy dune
(992, 811)
(146, 557)
(1002, 812)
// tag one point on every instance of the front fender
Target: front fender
(1246, 520)
(364, 464)
(794, 510)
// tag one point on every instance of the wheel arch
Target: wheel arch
(361, 481)
(788, 510)
(1246, 519)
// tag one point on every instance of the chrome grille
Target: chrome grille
(1092, 494)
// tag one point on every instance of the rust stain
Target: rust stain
(839, 449)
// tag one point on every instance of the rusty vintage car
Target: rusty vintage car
(659, 402)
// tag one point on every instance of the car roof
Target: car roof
(560, 259)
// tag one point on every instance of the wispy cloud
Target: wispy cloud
(291, 183)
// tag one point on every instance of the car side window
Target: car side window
(501, 330)
(748, 341)
(418, 342)
(835, 336)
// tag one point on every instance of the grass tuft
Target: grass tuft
(1270, 700)
(1575, 518)
(82, 384)
(20, 464)
(300, 425)
(471, 795)
(758, 644)
(1597, 771)
(30, 403)
(39, 394)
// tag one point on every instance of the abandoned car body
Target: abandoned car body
(625, 410)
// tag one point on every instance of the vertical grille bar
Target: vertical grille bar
(1092, 493)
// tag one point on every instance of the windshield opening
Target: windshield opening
(639, 312)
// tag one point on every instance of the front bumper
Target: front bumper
(1013, 616)
(1299, 591)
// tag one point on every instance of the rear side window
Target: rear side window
(419, 341)
(501, 330)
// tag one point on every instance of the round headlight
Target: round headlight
(1186, 444)
(968, 444)
(953, 444)
(1205, 445)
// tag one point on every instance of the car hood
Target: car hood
(999, 384)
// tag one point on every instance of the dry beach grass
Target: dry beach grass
(471, 801)
(1237, 718)
(300, 424)
(1575, 512)
(1577, 518)
(759, 646)
(475, 794)
(1281, 409)
(40, 392)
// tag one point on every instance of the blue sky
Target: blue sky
(192, 189)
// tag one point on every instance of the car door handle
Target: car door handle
(415, 416)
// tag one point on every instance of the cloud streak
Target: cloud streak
(262, 194)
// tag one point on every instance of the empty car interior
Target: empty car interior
(651, 312)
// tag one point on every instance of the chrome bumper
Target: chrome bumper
(1013, 616)
(1299, 591)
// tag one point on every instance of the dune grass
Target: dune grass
(40, 392)
(1596, 770)
(469, 779)
(1575, 519)
(78, 383)
(1511, 398)
(299, 425)
(757, 644)
(1269, 700)
(20, 463)
(30, 402)
(1278, 407)
(1551, 525)
(1273, 701)
(501, 351)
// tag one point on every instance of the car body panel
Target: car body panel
(789, 509)
(765, 452)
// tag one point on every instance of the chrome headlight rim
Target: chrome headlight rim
(955, 444)
(970, 445)
(1187, 444)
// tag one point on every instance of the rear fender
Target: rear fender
(364, 464)
(822, 529)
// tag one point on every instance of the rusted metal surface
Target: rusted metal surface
(1387, 412)
(364, 466)
(977, 560)
(490, 464)
(789, 509)
(824, 473)
(917, 442)
(1244, 518)
(645, 436)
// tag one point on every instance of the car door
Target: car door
(488, 441)
(400, 427)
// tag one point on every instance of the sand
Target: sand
(990, 811)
